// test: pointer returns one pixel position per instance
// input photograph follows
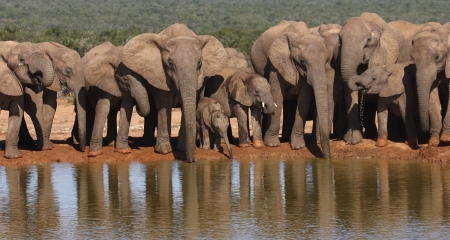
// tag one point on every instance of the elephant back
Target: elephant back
(177, 30)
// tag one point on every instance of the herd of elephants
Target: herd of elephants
(400, 69)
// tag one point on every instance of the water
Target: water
(254, 199)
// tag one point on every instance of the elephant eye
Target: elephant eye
(68, 72)
(368, 40)
(199, 64)
(373, 79)
(436, 58)
(172, 64)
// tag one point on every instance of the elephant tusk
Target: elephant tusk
(262, 104)
(275, 104)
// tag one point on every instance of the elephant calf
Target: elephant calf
(237, 90)
(395, 88)
(211, 119)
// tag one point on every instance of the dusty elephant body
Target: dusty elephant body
(298, 67)
(175, 63)
(22, 64)
(395, 86)
(212, 120)
(237, 90)
(111, 87)
(430, 51)
(68, 72)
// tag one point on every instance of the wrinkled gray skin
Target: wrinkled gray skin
(430, 51)
(237, 90)
(175, 63)
(395, 87)
(298, 67)
(30, 68)
(68, 70)
(212, 120)
(111, 87)
(366, 41)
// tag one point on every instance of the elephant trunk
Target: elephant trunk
(424, 82)
(139, 93)
(39, 64)
(352, 83)
(269, 104)
(223, 134)
(319, 85)
(81, 101)
(188, 90)
(350, 59)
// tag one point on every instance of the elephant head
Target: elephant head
(176, 60)
(430, 51)
(386, 81)
(68, 68)
(303, 55)
(236, 59)
(248, 88)
(28, 63)
(215, 119)
(368, 39)
(105, 71)
(330, 32)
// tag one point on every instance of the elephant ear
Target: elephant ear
(100, 71)
(394, 84)
(206, 115)
(9, 84)
(237, 89)
(236, 59)
(142, 54)
(447, 60)
(280, 57)
(387, 52)
(214, 56)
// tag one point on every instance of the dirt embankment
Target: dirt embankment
(63, 152)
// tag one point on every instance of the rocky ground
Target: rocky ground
(63, 152)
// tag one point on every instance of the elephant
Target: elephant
(236, 59)
(22, 64)
(175, 63)
(66, 63)
(395, 86)
(211, 119)
(297, 65)
(237, 89)
(409, 29)
(112, 87)
(430, 52)
(366, 41)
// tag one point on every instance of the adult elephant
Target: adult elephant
(21, 64)
(175, 63)
(112, 87)
(296, 64)
(68, 71)
(366, 41)
(430, 51)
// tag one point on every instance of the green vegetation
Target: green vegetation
(83, 24)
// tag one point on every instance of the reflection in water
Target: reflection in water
(226, 199)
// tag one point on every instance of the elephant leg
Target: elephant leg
(150, 122)
(217, 140)
(163, 101)
(445, 136)
(353, 134)
(126, 109)
(49, 109)
(111, 129)
(241, 113)
(256, 127)
(382, 114)
(273, 120)
(301, 113)
(205, 137)
(14, 122)
(101, 113)
(33, 97)
(74, 138)
(407, 112)
(435, 118)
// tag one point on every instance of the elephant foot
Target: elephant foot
(258, 143)
(412, 141)
(445, 137)
(382, 142)
(13, 154)
(271, 141)
(297, 143)
(353, 137)
(47, 145)
(205, 146)
(434, 141)
(95, 153)
(244, 145)
(163, 148)
(123, 150)
(218, 149)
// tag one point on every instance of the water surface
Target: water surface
(302, 198)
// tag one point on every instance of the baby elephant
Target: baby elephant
(211, 118)
(395, 88)
(237, 90)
